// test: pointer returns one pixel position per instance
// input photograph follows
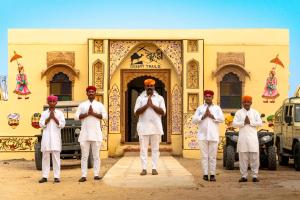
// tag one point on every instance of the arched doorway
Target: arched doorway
(134, 89)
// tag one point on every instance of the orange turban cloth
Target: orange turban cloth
(247, 98)
(91, 88)
(208, 93)
(149, 82)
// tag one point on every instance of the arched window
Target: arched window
(61, 86)
(230, 91)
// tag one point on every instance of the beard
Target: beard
(149, 91)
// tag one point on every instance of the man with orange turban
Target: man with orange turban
(247, 120)
(208, 116)
(52, 121)
(149, 107)
(90, 112)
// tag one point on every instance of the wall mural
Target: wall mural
(192, 75)
(13, 120)
(270, 90)
(35, 119)
(3, 88)
(176, 110)
(104, 128)
(120, 48)
(114, 109)
(98, 76)
(190, 132)
(22, 83)
(17, 143)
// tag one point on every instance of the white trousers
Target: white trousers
(209, 151)
(144, 143)
(244, 159)
(55, 162)
(85, 150)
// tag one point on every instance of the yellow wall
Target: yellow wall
(259, 46)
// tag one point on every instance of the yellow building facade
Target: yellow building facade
(231, 62)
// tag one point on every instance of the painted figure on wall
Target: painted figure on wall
(22, 88)
(270, 90)
(22, 83)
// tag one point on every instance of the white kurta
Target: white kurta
(51, 137)
(90, 126)
(149, 122)
(208, 128)
(248, 140)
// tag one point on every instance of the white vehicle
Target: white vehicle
(287, 130)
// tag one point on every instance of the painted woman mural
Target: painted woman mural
(22, 88)
(22, 83)
(270, 90)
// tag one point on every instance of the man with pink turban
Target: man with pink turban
(208, 116)
(247, 120)
(52, 121)
(90, 112)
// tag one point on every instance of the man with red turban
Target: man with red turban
(90, 112)
(149, 107)
(208, 116)
(52, 121)
(247, 120)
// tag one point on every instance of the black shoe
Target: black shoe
(43, 180)
(97, 178)
(56, 180)
(82, 179)
(205, 177)
(154, 172)
(143, 173)
(254, 179)
(243, 179)
(212, 178)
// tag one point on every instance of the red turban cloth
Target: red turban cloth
(208, 93)
(247, 98)
(149, 82)
(91, 87)
(52, 98)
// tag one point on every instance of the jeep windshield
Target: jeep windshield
(297, 113)
(67, 107)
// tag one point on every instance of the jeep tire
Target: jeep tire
(38, 156)
(272, 164)
(230, 157)
(297, 156)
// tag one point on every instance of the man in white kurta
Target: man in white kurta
(247, 120)
(90, 112)
(149, 107)
(208, 116)
(51, 121)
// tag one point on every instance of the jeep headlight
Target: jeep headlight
(266, 138)
(235, 138)
(77, 131)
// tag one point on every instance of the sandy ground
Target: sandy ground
(19, 180)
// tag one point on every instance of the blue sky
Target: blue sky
(164, 14)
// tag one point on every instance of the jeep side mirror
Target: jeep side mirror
(288, 120)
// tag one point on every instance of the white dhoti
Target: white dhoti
(249, 157)
(85, 150)
(144, 143)
(55, 162)
(209, 151)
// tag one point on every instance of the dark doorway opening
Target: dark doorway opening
(134, 89)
